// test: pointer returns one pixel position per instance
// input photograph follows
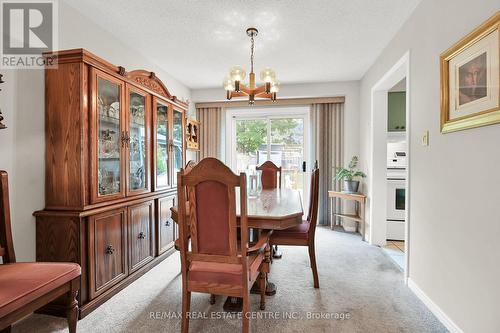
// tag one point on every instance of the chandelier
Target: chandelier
(233, 83)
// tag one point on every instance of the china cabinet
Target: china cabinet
(114, 142)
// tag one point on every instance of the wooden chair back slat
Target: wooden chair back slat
(271, 175)
(193, 230)
(313, 204)
(311, 192)
(6, 244)
(233, 234)
(311, 195)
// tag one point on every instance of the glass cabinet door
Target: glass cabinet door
(108, 99)
(177, 143)
(137, 141)
(162, 178)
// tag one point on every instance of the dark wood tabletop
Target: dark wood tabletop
(276, 209)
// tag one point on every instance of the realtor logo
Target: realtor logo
(28, 29)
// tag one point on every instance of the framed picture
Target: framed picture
(470, 76)
(192, 134)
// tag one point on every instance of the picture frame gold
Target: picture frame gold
(481, 46)
(192, 134)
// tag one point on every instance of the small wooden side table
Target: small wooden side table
(359, 198)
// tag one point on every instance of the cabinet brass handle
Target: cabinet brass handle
(142, 235)
(110, 249)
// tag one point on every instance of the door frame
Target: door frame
(377, 163)
(270, 112)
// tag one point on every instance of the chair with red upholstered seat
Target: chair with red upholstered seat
(271, 175)
(271, 179)
(215, 263)
(303, 234)
(26, 287)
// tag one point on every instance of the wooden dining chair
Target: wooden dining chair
(303, 234)
(27, 286)
(271, 179)
(190, 165)
(216, 262)
(271, 175)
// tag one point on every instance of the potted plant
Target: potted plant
(348, 175)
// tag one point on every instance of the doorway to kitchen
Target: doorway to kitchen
(277, 134)
(389, 167)
(397, 147)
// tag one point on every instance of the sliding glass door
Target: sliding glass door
(275, 136)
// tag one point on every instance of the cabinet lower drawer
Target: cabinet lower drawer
(141, 234)
(107, 250)
(165, 224)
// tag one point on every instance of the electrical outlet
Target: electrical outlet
(425, 138)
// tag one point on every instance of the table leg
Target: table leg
(266, 268)
(233, 304)
(277, 254)
(270, 288)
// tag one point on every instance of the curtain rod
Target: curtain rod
(279, 102)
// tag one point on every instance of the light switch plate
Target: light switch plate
(425, 139)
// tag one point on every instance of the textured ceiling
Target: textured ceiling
(304, 41)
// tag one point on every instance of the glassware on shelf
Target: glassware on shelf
(107, 144)
(137, 145)
(177, 143)
(161, 145)
(109, 165)
(108, 184)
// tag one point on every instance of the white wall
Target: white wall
(455, 189)
(349, 89)
(22, 145)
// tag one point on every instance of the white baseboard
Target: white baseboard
(434, 308)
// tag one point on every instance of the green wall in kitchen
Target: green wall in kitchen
(396, 121)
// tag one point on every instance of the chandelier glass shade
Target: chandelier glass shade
(234, 86)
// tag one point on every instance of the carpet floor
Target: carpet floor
(361, 290)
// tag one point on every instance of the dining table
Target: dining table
(271, 209)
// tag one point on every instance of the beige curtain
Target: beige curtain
(327, 123)
(210, 132)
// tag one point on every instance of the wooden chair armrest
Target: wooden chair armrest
(263, 241)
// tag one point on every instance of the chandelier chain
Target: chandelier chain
(251, 56)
